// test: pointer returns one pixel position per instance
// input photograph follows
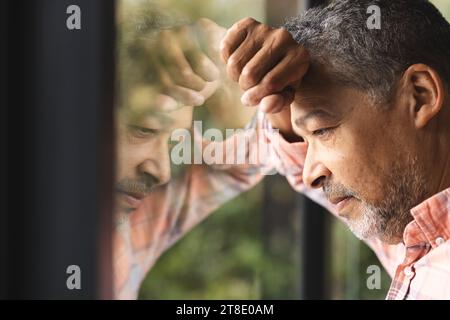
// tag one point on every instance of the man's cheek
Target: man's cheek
(353, 175)
(370, 190)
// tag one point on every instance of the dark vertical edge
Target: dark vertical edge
(314, 241)
(60, 148)
(3, 145)
(107, 147)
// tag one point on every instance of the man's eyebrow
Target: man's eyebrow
(314, 114)
(151, 115)
(161, 118)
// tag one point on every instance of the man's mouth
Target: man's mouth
(341, 202)
(131, 199)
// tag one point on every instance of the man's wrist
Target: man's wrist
(282, 122)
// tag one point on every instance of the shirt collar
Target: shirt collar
(431, 224)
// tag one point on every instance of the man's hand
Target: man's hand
(267, 62)
(183, 67)
(186, 71)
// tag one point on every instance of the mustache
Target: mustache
(337, 190)
(142, 185)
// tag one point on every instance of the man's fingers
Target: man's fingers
(234, 37)
(210, 35)
(277, 102)
(147, 99)
(202, 65)
(288, 72)
(258, 66)
(240, 57)
(165, 103)
(176, 63)
(210, 89)
(165, 80)
(185, 96)
(266, 62)
(186, 77)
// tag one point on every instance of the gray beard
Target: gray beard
(406, 187)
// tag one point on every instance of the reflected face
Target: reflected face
(366, 158)
(143, 160)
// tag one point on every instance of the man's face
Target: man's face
(143, 153)
(366, 158)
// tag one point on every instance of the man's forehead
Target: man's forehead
(311, 101)
(318, 76)
(312, 105)
(181, 118)
(319, 89)
(315, 103)
(301, 117)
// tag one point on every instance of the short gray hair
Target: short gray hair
(412, 31)
(138, 26)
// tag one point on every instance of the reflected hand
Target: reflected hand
(184, 61)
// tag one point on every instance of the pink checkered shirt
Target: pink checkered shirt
(420, 266)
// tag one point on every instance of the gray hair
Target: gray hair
(139, 23)
(412, 31)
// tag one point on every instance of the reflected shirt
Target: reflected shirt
(171, 210)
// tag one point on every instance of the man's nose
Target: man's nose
(158, 170)
(158, 167)
(314, 172)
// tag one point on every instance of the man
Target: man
(367, 113)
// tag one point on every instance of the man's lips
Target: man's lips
(133, 200)
(341, 202)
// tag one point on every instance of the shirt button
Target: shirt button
(439, 241)
(408, 272)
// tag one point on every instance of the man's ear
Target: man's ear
(426, 93)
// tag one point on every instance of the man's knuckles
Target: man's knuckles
(249, 77)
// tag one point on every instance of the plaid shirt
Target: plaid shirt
(420, 266)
